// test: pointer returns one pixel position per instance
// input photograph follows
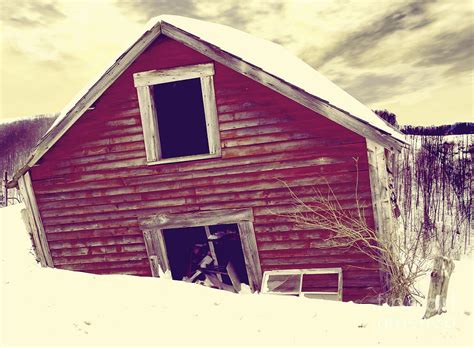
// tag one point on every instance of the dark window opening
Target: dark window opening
(181, 118)
(211, 256)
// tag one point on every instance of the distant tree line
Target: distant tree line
(459, 128)
(440, 130)
(389, 117)
(17, 139)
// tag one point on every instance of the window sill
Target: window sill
(183, 159)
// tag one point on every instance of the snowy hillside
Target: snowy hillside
(56, 307)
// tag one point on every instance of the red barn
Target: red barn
(178, 159)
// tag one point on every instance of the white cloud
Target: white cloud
(44, 66)
(51, 49)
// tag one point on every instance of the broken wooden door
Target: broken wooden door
(170, 238)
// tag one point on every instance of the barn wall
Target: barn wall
(94, 182)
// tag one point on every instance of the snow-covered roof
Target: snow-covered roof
(264, 56)
(281, 63)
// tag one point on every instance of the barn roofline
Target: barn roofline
(382, 135)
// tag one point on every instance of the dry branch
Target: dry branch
(398, 260)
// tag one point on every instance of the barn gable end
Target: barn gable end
(94, 187)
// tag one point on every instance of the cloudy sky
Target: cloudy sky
(414, 58)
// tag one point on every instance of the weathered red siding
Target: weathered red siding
(94, 182)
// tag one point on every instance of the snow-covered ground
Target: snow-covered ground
(57, 307)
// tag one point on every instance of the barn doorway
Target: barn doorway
(216, 248)
(209, 255)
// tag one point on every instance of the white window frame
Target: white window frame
(320, 271)
(144, 82)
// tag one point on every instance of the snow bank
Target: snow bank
(57, 307)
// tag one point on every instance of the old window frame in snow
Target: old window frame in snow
(153, 226)
(301, 272)
(144, 82)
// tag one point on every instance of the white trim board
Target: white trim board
(35, 223)
(180, 73)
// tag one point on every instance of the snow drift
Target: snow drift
(57, 307)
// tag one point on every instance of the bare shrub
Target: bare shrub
(435, 190)
(398, 257)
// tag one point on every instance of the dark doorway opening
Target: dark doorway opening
(229, 248)
(180, 244)
(209, 255)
